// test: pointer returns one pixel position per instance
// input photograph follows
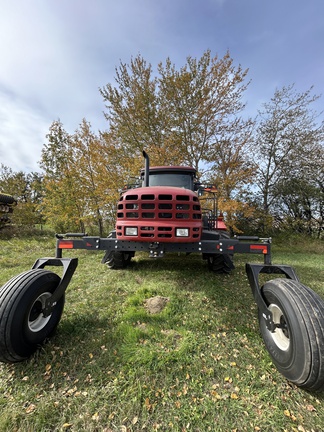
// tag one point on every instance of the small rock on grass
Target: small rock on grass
(156, 304)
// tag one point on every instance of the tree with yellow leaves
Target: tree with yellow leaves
(189, 116)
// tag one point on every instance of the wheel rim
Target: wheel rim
(281, 334)
(36, 319)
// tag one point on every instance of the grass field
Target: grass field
(198, 365)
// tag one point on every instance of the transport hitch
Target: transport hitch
(253, 271)
(69, 266)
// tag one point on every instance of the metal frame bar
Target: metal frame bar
(158, 249)
(253, 271)
(69, 266)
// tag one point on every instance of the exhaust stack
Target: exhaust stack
(147, 169)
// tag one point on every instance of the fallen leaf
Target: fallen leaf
(215, 395)
(147, 404)
(310, 408)
(31, 408)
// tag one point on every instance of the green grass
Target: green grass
(198, 365)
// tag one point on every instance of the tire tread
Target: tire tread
(311, 308)
(11, 294)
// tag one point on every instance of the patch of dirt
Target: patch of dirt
(156, 304)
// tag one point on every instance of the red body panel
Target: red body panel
(157, 212)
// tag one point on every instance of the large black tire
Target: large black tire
(297, 345)
(219, 263)
(22, 324)
(118, 260)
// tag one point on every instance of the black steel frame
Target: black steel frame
(71, 241)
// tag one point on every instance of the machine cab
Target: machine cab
(176, 176)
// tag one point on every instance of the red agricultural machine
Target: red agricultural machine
(162, 213)
(7, 203)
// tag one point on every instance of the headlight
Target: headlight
(182, 232)
(131, 231)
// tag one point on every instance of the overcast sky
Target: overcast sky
(56, 54)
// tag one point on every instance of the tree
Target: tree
(176, 115)
(134, 117)
(288, 144)
(301, 206)
(300, 202)
(188, 116)
(62, 203)
(27, 188)
(96, 166)
(82, 179)
(203, 101)
(233, 173)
